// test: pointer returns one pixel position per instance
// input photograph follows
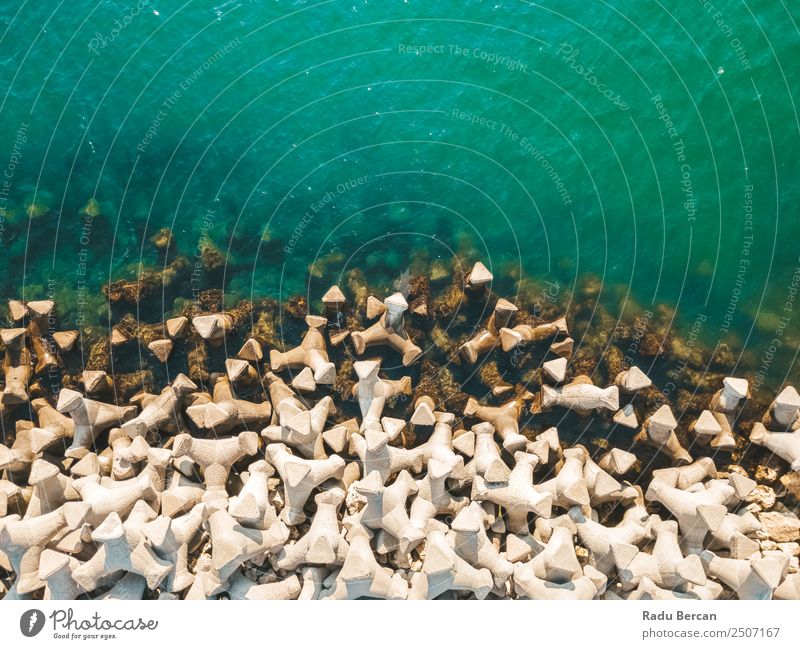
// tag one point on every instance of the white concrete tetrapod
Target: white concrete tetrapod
(125, 453)
(732, 535)
(376, 454)
(488, 337)
(240, 371)
(386, 511)
(90, 418)
(611, 548)
(177, 327)
(17, 368)
(16, 460)
(602, 487)
(556, 369)
(472, 544)
(180, 495)
(292, 414)
(557, 562)
(323, 544)
(251, 351)
(784, 445)
(17, 309)
(53, 426)
(313, 582)
(714, 429)
(525, 334)
(96, 382)
(98, 500)
(732, 392)
(649, 590)
(55, 570)
(213, 327)
(626, 416)
(251, 506)
(206, 584)
(440, 445)
(590, 585)
(443, 570)
(632, 380)
(362, 576)
(301, 428)
(518, 497)
(334, 300)
(750, 579)
(478, 278)
(40, 310)
(505, 420)
(676, 571)
(22, 542)
(311, 352)
(372, 391)
(569, 487)
(241, 588)
(433, 497)
(65, 340)
(115, 553)
(659, 432)
(698, 512)
(51, 489)
(216, 457)
(232, 544)
(683, 477)
(785, 410)
(555, 573)
(163, 412)
(300, 477)
(161, 348)
(130, 587)
(172, 539)
(486, 461)
(617, 461)
(581, 395)
(141, 514)
(225, 411)
(389, 330)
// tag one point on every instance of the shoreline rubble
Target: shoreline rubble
(406, 459)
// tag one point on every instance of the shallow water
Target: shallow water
(652, 146)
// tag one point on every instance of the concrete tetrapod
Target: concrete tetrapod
(300, 477)
(311, 352)
(323, 544)
(90, 418)
(386, 512)
(581, 395)
(389, 330)
(505, 420)
(362, 575)
(216, 457)
(443, 570)
(518, 497)
(163, 411)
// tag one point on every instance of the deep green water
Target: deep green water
(652, 144)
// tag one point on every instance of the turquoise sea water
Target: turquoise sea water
(651, 144)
